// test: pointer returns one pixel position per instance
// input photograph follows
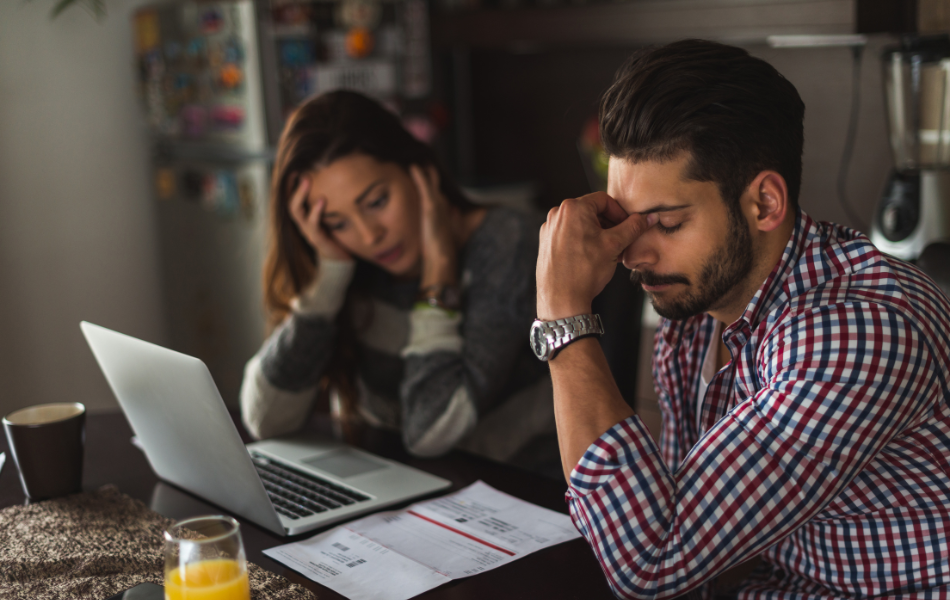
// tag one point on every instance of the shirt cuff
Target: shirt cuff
(431, 330)
(325, 296)
(627, 442)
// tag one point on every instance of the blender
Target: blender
(914, 211)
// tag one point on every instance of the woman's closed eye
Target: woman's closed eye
(379, 202)
(335, 225)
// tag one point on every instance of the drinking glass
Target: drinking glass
(204, 560)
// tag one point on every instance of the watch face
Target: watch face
(539, 343)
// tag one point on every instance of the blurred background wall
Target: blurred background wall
(529, 106)
(77, 239)
(79, 228)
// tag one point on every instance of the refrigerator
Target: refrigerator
(216, 82)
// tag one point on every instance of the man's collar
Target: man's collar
(774, 291)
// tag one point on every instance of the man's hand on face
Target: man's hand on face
(581, 243)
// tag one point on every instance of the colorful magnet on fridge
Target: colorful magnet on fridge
(197, 47)
(246, 196)
(234, 51)
(295, 53)
(210, 21)
(147, 31)
(226, 116)
(230, 76)
(165, 183)
(359, 42)
(291, 13)
(359, 14)
(228, 200)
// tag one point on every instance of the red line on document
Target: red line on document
(462, 533)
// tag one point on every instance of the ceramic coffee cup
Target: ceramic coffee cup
(47, 446)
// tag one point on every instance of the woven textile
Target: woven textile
(94, 545)
(821, 447)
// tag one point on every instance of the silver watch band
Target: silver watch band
(561, 332)
(570, 328)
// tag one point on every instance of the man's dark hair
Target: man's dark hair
(734, 113)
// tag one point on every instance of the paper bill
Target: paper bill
(430, 543)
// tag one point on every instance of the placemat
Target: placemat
(90, 546)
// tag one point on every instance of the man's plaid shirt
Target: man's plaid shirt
(824, 444)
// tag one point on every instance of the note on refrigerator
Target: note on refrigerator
(399, 554)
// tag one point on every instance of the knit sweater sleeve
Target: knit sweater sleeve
(280, 381)
(457, 366)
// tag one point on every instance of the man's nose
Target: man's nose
(641, 253)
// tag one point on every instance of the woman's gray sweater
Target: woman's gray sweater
(467, 379)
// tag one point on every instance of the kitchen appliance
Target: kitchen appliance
(914, 210)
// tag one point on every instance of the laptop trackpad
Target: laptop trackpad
(343, 463)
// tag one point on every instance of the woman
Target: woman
(388, 288)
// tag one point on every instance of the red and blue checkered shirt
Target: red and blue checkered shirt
(823, 446)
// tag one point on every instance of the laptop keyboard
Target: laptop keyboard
(295, 493)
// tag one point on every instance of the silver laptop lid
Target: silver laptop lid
(182, 423)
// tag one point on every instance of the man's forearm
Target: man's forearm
(587, 401)
(577, 256)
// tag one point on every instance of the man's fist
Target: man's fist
(581, 242)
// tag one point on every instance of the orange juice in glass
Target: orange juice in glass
(204, 560)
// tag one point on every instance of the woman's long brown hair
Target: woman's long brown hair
(323, 129)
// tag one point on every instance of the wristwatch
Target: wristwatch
(444, 296)
(548, 337)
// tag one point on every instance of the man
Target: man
(802, 374)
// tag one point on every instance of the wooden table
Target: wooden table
(565, 571)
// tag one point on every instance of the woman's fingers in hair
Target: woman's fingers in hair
(308, 219)
(439, 241)
(432, 177)
(315, 217)
(419, 179)
(299, 206)
(307, 215)
(427, 183)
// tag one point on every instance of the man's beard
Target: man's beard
(724, 270)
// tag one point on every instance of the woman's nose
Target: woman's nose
(371, 232)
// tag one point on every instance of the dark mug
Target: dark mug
(47, 446)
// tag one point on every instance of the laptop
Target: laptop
(286, 485)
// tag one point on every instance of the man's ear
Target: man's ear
(768, 200)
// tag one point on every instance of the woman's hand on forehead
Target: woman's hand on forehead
(308, 220)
